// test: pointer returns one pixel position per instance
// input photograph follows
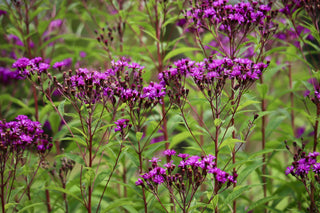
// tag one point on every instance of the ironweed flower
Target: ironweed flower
(2, 12)
(289, 7)
(122, 125)
(241, 17)
(7, 76)
(303, 164)
(210, 75)
(27, 67)
(305, 169)
(23, 134)
(191, 173)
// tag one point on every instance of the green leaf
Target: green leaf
(231, 142)
(152, 35)
(55, 122)
(10, 98)
(217, 122)
(139, 135)
(61, 107)
(179, 51)
(237, 191)
(118, 203)
(263, 90)
(77, 139)
(261, 152)
(8, 205)
(181, 137)
(262, 202)
(247, 103)
(59, 189)
(30, 206)
(244, 173)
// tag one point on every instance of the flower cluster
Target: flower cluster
(242, 16)
(185, 178)
(7, 76)
(86, 85)
(65, 63)
(16, 41)
(211, 75)
(27, 67)
(303, 164)
(22, 134)
(122, 124)
(122, 82)
(289, 7)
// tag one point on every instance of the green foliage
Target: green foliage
(91, 161)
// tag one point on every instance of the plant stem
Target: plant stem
(140, 172)
(315, 129)
(48, 200)
(263, 140)
(291, 96)
(3, 202)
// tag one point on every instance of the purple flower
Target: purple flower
(154, 160)
(183, 164)
(146, 176)
(21, 63)
(67, 62)
(316, 168)
(55, 24)
(121, 125)
(193, 160)
(7, 76)
(154, 92)
(139, 182)
(183, 156)
(158, 179)
(232, 179)
(82, 54)
(3, 12)
(290, 170)
(15, 39)
(299, 131)
(23, 134)
(168, 165)
(302, 169)
(169, 152)
(313, 154)
(43, 67)
(221, 176)
(181, 22)
(59, 65)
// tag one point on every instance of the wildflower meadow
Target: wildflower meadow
(159, 106)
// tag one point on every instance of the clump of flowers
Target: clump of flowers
(122, 82)
(210, 75)
(304, 164)
(306, 169)
(289, 7)
(122, 125)
(27, 67)
(23, 134)
(183, 180)
(18, 139)
(235, 21)
(228, 17)
(7, 76)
